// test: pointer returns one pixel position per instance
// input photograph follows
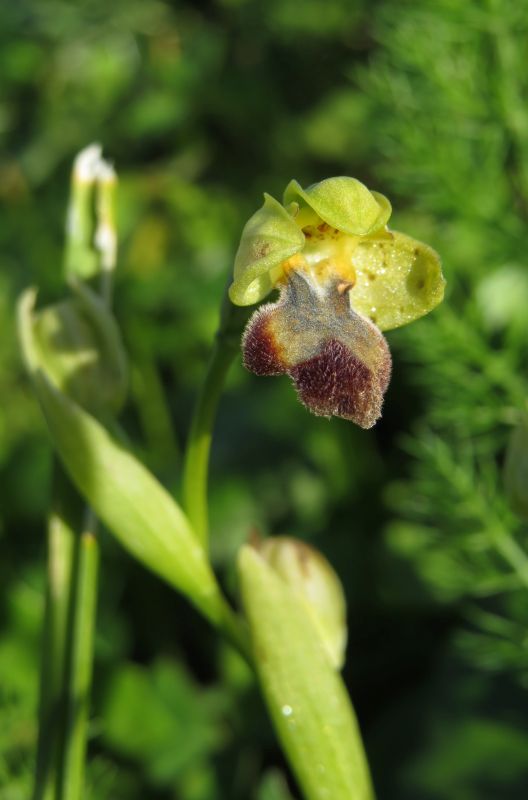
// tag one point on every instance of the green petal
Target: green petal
(269, 237)
(398, 279)
(344, 203)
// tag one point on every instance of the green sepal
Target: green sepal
(343, 203)
(306, 697)
(125, 496)
(80, 348)
(269, 237)
(398, 279)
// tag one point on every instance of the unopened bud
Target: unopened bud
(311, 576)
(516, 469)
(91, 238)
(80, 349)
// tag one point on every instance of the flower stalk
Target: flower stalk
(196, 460)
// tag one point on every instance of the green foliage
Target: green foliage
(204, 106)
(160, 718)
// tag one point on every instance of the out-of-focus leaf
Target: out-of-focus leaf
(516, 469)
(473, 759)
(161, 718)
(129, 500)
(273, 787)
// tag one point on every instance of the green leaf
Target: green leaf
(398, 279)
(343, 203)
(158, 716)
(306, 697)
(129, 500)
(269, 237)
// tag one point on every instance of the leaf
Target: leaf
(269, 237)
(306, 697)
(273, 787)
(161, 718)
(125, 495)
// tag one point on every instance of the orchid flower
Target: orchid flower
(343, 278)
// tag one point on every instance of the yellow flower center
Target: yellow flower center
(326, 256)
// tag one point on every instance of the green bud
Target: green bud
(305, 695)
(516, 469)
(79, 347)
(311, 576)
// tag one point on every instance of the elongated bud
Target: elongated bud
(305, 695)
(91, 236)
(314, 580)
(516, 469)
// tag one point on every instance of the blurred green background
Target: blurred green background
(203, 106)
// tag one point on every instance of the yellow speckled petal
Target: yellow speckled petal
(269, 237)
(343, 203)
(398, 279)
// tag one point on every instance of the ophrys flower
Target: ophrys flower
(343, 278)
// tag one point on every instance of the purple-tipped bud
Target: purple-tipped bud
(338, 359)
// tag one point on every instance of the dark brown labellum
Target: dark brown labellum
(338, 360)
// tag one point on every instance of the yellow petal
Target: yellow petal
(398, 279)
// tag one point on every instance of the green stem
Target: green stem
(61, 540)
(81, 629)
(196, 465)
(196, 462)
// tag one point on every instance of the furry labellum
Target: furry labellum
(338, 360)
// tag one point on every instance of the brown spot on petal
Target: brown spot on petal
(261, 352)
(336, 382)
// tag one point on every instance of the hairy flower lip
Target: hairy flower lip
(337, 383)
(338, 360)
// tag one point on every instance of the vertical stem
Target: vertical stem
(196, 461)
(59, 580)
(81, 630)
(196, 464)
